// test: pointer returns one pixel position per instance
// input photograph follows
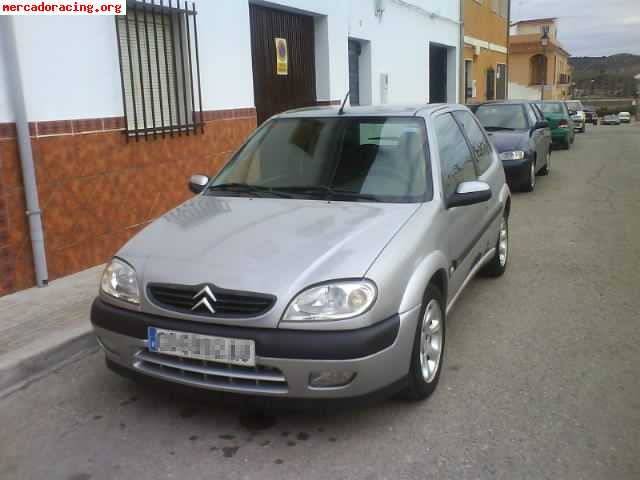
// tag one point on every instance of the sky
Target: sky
(588, 28)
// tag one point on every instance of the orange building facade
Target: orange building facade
(486, 35)
(539, 63)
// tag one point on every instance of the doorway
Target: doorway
(437, 74)
(283, 78)
(355, 50)
(501, 82)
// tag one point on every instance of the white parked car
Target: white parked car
(625, 117)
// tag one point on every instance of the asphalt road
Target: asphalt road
(541, 376)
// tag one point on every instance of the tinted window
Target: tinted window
(478, 141)
(531, 114)
(380, 157)
(455, 157)
(575, 105)
(552, 107)
(502, 117)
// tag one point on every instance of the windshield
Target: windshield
(373, 158)
(552, 107)
(502, 117)
(575, 105)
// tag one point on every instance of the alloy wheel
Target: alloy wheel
(431, 341)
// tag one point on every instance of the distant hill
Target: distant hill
(610, 76)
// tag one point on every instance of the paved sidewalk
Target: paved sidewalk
(42, 328)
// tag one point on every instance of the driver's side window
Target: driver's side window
(456, 160)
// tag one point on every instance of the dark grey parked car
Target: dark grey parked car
(321, 262)
(520, 133)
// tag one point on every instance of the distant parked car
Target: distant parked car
(562, 126)
(625, 117)
(591, 115)
(576, 110)
(522, 137)
(611, 119)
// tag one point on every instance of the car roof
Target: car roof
(366, 111)
(504, 102)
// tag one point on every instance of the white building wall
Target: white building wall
(70, 64)
(400, 40)
(522, 92)
(6, 114)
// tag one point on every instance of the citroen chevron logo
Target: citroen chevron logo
(206, 296)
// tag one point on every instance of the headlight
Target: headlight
(332, 301)
(515, 155)
(119, 281)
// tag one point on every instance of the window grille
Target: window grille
(159, 68)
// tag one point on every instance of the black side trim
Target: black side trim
(477, 238)
(270, 342)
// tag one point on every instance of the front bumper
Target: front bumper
(516, 171)
(378, 355)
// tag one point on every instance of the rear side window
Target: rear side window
(479, 142)
(456, 160)
(531, 114)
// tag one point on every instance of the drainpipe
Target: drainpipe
(508, 46)
(14, 83)
(461, 77)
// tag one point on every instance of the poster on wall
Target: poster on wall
(282, 57)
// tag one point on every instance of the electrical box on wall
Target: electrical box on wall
(473, 88)
(384, 87)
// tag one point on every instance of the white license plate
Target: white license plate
(202, 347)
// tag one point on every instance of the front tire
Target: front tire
(498, 263)
(428, 347)
(529, 184)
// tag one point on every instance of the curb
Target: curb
(20, 368)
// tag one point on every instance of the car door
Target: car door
(457, 165)
(537, 137)
(489, 170)
(546, 139)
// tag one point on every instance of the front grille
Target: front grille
(224, 303)
(211, 375)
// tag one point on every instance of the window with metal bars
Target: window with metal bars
(159, 68)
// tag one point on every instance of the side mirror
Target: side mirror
(541, 124)
(197, 183)
(469, 193)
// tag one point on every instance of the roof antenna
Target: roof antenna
(341, 111)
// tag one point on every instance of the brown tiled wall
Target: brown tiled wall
(97, 190)
(11, 216)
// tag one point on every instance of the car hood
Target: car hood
(506, 140)
(265, 245)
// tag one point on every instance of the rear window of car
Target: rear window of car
(552, 107)
(502, 116)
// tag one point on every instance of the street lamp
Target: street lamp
(544, 41)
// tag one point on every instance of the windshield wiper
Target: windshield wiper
(330, 192)
(493, 129)
(246, 188)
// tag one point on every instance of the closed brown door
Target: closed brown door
(274, 90)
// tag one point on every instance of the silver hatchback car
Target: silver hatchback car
(321, 262)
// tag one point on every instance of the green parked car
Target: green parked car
(559, 119)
